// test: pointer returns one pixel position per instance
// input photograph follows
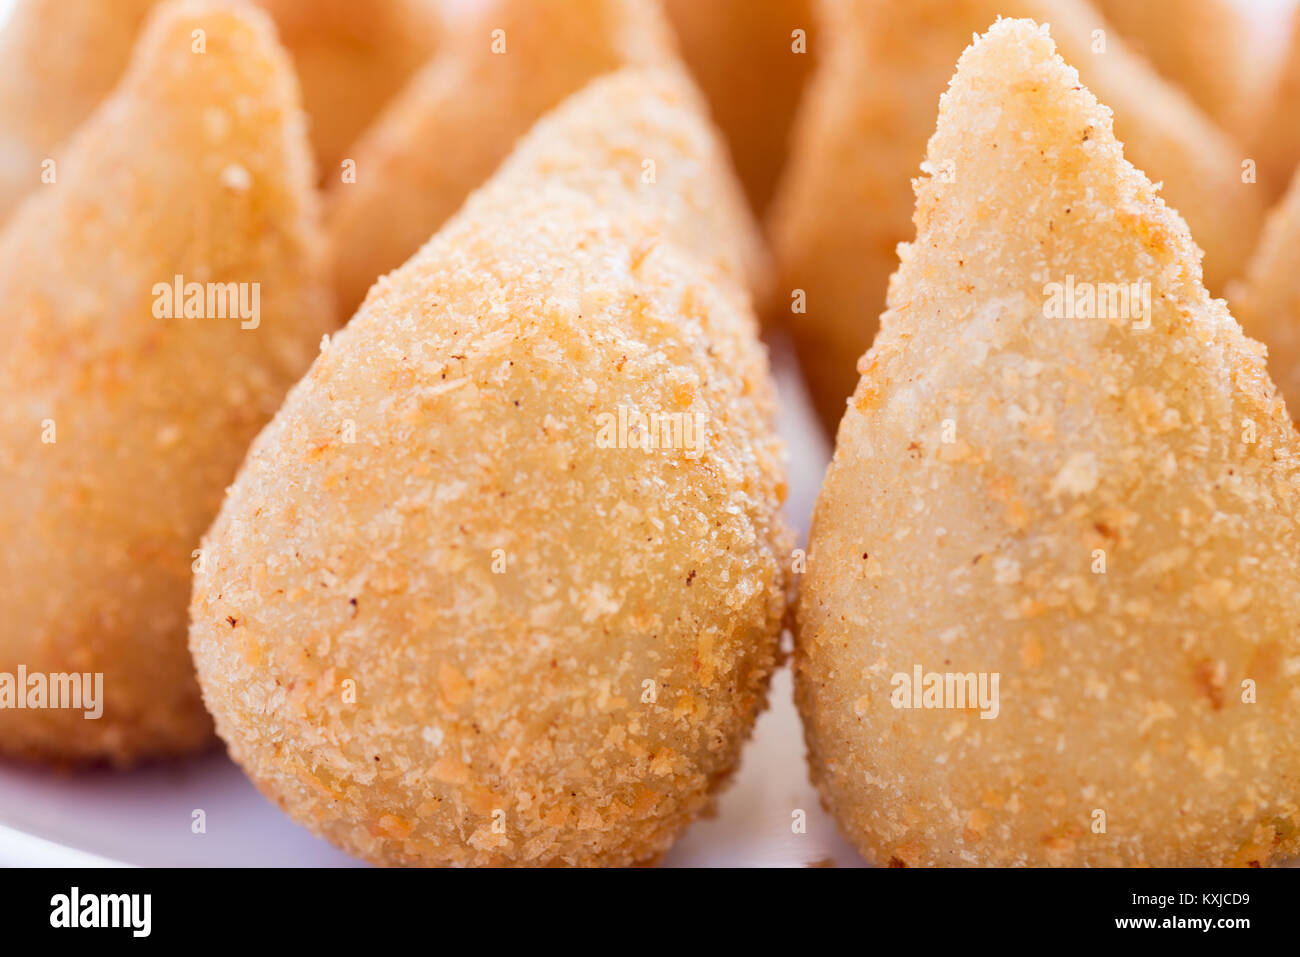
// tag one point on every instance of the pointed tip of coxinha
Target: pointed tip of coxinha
(210, 77)
(197, 157)
(1029, 199)
(651, 171)
(217, 69)
(187, 37)
(1021, 143)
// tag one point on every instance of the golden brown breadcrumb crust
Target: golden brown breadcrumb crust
(119, 430)
(859, 139)
(441, 624)
(1103, 514)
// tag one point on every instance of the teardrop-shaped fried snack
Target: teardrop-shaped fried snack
(126, 408)
(58, 60)
(464, 605)
(459, 117)
(352, 58)
(843, 206)
(751, 57)
(1050, 615)
(1204, 46)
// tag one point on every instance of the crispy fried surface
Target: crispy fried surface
(1166, 450)
(198, 165)
(429, 521)
(58, 60)
(843, 205)
(741, 52)
(352, 57)
(459, 117)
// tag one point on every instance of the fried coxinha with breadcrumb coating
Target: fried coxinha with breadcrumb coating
(460, 607)
(860, 138)
(60, 58)
(1097, 508)
(122, 417)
